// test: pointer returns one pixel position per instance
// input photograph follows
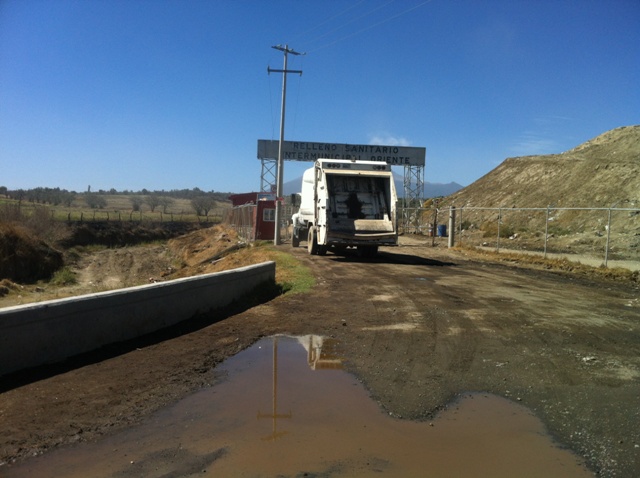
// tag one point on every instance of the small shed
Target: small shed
(263, 214)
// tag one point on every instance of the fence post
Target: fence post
(435, 227)
(452, 226)
(460, 224)
(546, 232)
(606, 250)
(499, 221)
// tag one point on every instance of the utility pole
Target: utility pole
(279, 171)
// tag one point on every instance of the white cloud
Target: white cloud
(538, 140)
(532, 143)
(388, 140)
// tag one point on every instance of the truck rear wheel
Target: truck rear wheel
(312, 242)
(295, 240)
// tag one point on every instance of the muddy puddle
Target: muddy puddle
(286, 408)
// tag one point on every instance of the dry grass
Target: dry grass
(560, 265)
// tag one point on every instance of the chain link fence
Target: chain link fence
(602, 234)
(242, 219)
(592, 235)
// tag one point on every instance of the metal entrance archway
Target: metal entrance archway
(411, 158)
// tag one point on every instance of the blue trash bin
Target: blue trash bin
(442, 230)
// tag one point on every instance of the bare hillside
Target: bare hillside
(603, 172)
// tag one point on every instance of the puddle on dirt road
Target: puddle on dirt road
(286, 409)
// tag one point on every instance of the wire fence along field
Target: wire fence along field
(75, 214)
(115, 207)
(214, 216)
(604, 234)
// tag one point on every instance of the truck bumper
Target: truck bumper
(376, 239)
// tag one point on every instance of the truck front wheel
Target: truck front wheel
(312, 242)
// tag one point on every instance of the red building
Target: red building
(260, 213)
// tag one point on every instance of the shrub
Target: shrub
(24, 257)
(64, 276)
(490, 229)
(95, 201)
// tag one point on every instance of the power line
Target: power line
(349, 22)
(273, 129)
(295, 109)
(404, 12)
(331, 18)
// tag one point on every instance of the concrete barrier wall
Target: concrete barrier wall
(48, 332)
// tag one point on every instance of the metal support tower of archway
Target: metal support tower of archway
(413, 185)
(413, 196)
(268, 177)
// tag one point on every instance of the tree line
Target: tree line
(202, 202)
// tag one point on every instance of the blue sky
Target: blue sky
(172, 94)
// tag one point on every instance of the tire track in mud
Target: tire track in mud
(404, 345)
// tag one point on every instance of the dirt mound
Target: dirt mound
(212, 250)
(24, 257)
(203, 246)
(603, 172)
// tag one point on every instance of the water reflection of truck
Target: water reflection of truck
(346, 204)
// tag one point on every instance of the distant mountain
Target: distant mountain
(433, 190)
(292, 187)
(430, 189)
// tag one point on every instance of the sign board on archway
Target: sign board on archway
(311, 151)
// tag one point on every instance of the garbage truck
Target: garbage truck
(346, 204)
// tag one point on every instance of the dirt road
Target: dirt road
(417, 326)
